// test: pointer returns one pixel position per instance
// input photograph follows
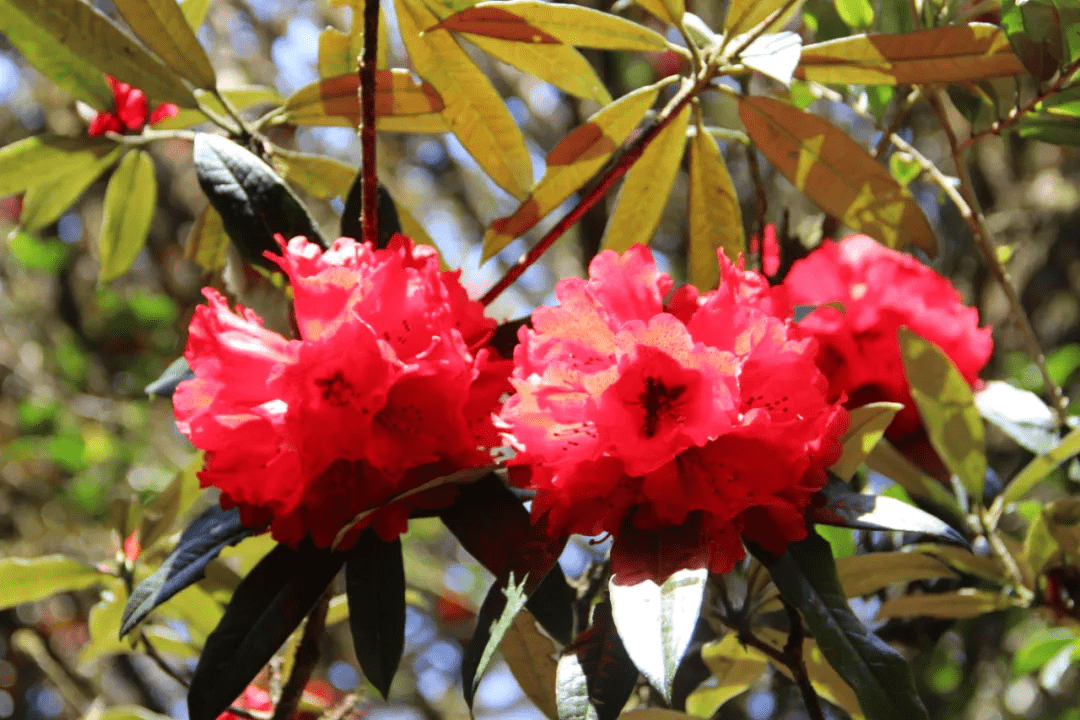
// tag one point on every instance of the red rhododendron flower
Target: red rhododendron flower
(389, 386)
(707, 411)
(880, 291)
(131, 111)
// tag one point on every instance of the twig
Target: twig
(1017, 113)
(307, 655)
(165, 667)
(631, 153)
(793, 653)
(972, 214)
(901, 112)
(245, 130)
(368, 61)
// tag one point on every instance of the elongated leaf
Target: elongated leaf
(735, 667)
(162, 27)
(339, 52)
(1035, 33)
(656, 622)
(202, 541)
(495, 528)
(571, 164)
(844, 507)
(645, 189)
(241, 98)
(949, 54)
(561, 65)
(254, 203)
(947, 408)
(207, 243)
(53, 59)
(744, 15)
(1019, 414)
(177, 372)
(336, 98)
(319, 176)
(880, 677)
(45, 158)
(194, 11)
(670, 11)
(775, 55)
(43, 204)
(497, 613)
(595, 676)
(84, 31)
(473, 109)
(964, 561)
(171, 505)
(29, 579)
(1041, 466)
(528, 21)
(375, 586)
(922, 488)
(130, 200)
(955, 605)
(715, 217)
(267, 606)
(868, 424)
(857, 14)
(836, 173)
(530, 655)
(102, 622)
(1040, 647)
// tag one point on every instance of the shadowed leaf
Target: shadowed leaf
(241, 98)
(375, 586)
(206, 244)
(956, 604)
(670, 11)
(868, 424)
(922, 488)
(497, 613)
(595, 676)
(530, 655)
(334, 100)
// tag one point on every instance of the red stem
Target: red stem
(368, 61)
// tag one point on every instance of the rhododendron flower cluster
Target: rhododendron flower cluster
(389, 385)
(131, 112)
(881, 290)
(707, 410)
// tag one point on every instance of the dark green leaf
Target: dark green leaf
(493, 525)
(595, 676)
(375, 586)
(502, 604)
(1019, 414)
(200, 543)
(85, 32)
(254, 203)
(881, 678)
(266, 607)
(351, 221)
(1034, 31)
(130, 199)
(845, 507)
(177, 372)
(44, 203)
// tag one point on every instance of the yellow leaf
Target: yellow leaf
(194, 11)
(242, 98)
(949, 54)
(836, 173)
(335, 100)
(338, 52)
(867, 426)
(529, 653)
(162, 27)
(207, 241)
(715, 217)
(531, 21)
(130, 199)
(647, 185)
(571, 164)
(561, 65)
(744, 15)
(947, 408)
(1041, 466)
(670, 11)
(734, 666)
(473, 108)
(319, 176)
(954, 605)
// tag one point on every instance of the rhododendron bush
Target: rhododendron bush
(741, 445)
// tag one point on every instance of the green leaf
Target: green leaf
(207, 244)
(645, 190)
(1039, 647)
(194, 11)
(86, 32)
(806, 576)
(241, 98)
(130, 200)
(270, 602)
(857, 14)
(254, 203)
(163, 27)
(595, 676)
(529, 653)
(844, 507)
(656, 622)
(44, 158)
(1041, 466)
(375, 586)
(1054, 535)
(172, 504)
(1019, 414)
(54, 59)
(497, 613)
(130, 712)
(714, 213)
(954, 605)
(670, 11)
(947, 407)
(43, 204)
(867, 427)
(37, 254)
(922, 488)
(102, 623)
(28, 579)
(744, 15)
(1035, 32)
(319, 176)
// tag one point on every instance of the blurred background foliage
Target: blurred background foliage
(80, 441)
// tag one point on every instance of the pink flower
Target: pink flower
(390, 385)
(881, 290)
(707, 410)
(131, 111)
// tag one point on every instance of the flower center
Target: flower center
(656, 399)
(336, 390)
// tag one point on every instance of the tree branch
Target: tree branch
(368, 62)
